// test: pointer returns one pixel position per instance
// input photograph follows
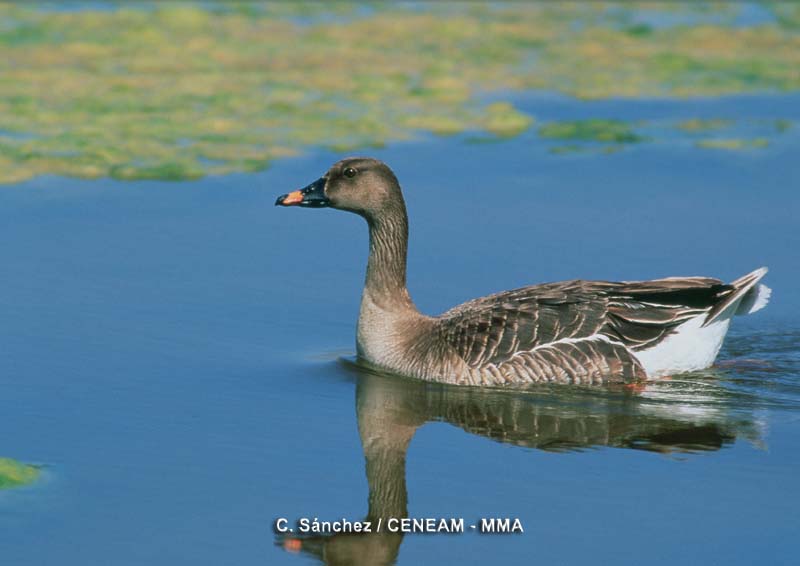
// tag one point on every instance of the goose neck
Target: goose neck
(386, 267)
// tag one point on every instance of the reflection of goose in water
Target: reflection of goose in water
(390, 410)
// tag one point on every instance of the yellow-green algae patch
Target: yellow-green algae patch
(703, 125)
(578, 148)
(733, 144)
(597, 130)
(181, 90)
(503, 120)
(14, 474)
(782, 125)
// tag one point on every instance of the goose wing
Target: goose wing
(640, 314)
(490, 330)
(590, 320)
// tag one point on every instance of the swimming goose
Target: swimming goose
(568, 332)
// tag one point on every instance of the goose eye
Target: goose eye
(350, 172)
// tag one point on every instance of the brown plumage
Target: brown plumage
(574, 331)
(568, 332)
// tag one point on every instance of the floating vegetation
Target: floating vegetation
(503, 120)
(575, 148)
(786, 14)
(14, 474)
(593, 136)
(733, 144)
(593, 130)
(699, 125)
(181, 90)
(782, 125)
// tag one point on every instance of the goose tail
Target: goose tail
(748, 296)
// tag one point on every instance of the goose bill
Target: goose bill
(313, 195)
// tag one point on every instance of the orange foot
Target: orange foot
(636, 387)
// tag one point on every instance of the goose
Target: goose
(572, 332)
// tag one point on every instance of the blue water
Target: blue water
(176, 357)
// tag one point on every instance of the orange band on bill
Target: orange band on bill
(293, 198)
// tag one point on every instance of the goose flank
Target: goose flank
(578, 332)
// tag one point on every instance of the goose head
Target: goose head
(361, 185)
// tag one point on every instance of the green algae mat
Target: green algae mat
(182, 90)
(14, 474)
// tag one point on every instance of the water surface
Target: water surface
(171, 354)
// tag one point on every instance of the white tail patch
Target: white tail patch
(692, 347)
(755, 299)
